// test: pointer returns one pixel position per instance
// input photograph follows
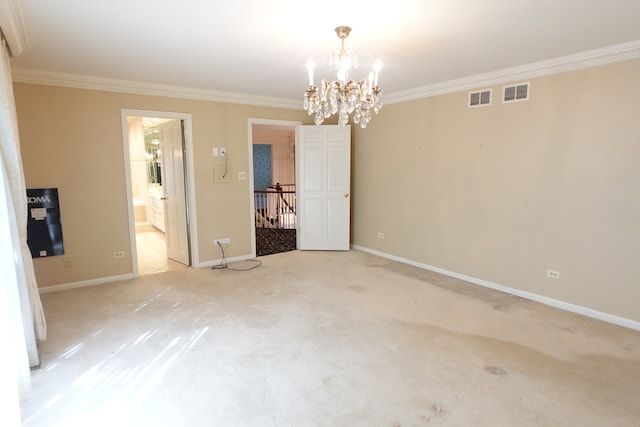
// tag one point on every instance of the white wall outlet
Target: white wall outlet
(223, 152)
(553, 274)
(242, 176)
(118, 254)
(223, 241)
(215, 152)
(380, 235)
(66, 261)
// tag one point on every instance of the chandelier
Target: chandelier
(344, 96)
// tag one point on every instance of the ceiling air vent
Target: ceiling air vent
(480, 98)
(515, 93)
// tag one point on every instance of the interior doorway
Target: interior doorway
(272, 157)
(157, 186)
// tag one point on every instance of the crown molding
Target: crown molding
(592, 58)
(13, 26)
(22, 75)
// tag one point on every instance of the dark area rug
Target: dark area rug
(274, 241)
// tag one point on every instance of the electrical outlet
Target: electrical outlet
(223, 241)
(119, 254)
(223, 152)
(66, 261)
(553, 274)
(380, 235)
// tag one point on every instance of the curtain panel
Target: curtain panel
(10, 147)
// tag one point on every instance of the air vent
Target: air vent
(480, 99)
(515, 93)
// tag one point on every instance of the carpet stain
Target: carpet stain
(357, 288)
(437, 409)
(500, 301)
(601, 379)
(495, 370)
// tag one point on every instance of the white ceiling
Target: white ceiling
(260, 47)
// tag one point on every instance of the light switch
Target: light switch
(215, 152)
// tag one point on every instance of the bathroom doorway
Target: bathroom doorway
(158, 191)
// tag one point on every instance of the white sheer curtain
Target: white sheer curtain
(32, 313)
(14, 359)
(10, 147)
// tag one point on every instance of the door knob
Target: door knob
(346, 194)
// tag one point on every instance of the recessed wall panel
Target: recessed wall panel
(313, 170)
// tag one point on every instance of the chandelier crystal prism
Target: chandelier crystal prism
(343, 96)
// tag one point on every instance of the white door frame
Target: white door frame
(192, 226)
(250, 171)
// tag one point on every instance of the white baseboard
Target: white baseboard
(588, 312)
(84, 283)
(103, 280)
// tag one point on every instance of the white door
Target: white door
(173, 189)
(323, 167)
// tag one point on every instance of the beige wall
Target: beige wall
(72, 139)
(505, 192)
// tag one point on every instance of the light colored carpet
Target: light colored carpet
(325, 339)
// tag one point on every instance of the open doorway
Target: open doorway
(157, 188)
(273, 173)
